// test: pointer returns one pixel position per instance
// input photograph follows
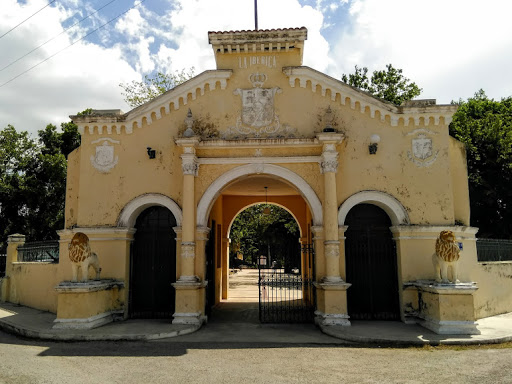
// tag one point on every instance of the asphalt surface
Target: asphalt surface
(176, 361)
(235, 348)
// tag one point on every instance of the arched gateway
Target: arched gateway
(286, 290)
(199, 153)
(214, 190)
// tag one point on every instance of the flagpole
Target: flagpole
(256, 15)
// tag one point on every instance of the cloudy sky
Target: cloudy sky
(85, 49)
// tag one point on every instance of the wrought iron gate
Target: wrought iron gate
(371, 265)
(286, 294)
(153, 265)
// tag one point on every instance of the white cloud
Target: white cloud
(447, 47)
(191, 21)
(82, 76)
(450, 48)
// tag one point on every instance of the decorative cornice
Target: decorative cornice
(258, 41)
(339, 91)
(98, 233)
(260, 160)
(172, 100)
(431, 232)
(260, 143)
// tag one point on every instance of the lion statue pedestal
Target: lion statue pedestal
(446, 258)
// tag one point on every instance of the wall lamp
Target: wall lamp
(374, 141)
(151, 153)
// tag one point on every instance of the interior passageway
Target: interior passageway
(243, 301)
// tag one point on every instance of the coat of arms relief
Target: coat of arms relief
(258, 117)
(422, 151)
(104, 159)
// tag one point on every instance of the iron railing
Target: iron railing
(39, 251)
(285, 297)
(494, 250)
(3, 262)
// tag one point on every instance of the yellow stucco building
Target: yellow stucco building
(156, 190)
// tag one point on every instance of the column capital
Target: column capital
(189, 164)
(341, 231)
(318, 232)
(202, 233)
(329, 158)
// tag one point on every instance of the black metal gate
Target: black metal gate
(371, 265)
(286, 293)
(153, 265)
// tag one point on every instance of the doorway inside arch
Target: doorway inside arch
(258, 260)
(371, 265)
(153, 265)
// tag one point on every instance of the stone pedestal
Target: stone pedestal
(190, 302)
(332, 303)
(88, 305)
(447, 309)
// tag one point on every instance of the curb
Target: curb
(367, 340)
(50, 336)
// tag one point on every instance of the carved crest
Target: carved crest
(258, 106)
(258, 117)
(423, 153)
(104, 160)
(422, 147)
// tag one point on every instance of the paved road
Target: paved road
(175, 361)
(235, 348)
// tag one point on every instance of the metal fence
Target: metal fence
(3, 261)
(39, 251)
(494, 250)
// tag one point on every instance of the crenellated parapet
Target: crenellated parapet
(115, 121)
(414, 112)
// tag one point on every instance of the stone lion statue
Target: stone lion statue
(446, 257)
(81, 257)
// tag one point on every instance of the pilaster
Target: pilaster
(188, 246)
(225, 268)
(329, 168)
(190, 293)
(202, 235)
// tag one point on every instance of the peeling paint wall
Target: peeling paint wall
(494, 294)
(32, 284)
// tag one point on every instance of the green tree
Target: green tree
(389, 84)
(139, 92)
(33, 181)
(17, 153)
(485, 127)
(253, 233)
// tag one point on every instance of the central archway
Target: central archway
(233, 192)
(215, 189)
